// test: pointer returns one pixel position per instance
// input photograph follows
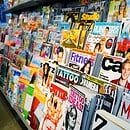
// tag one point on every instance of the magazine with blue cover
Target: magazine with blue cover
(106, 28)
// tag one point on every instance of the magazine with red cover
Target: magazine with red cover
(55, 107)
(123, 41)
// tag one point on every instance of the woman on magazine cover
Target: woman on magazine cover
(86, 68)
(121, 13)
(70, 118)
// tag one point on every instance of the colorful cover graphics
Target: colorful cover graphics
(106, 121)
(46, 50)
(106, 28)
(123, 42)
(67, 76)
(45, 72)
(100, 44)
(71, 16)
(118, 10)
(70, 38)
(55, 108)
(26, 75)
(38, 108)
(42, 35)
(99, 9)
(82, 61)
(63, 26)
(60, 54)
(54, 37)
(74, 109)
(26, 103)
(12, 87)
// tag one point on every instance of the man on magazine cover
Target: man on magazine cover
(125, 75)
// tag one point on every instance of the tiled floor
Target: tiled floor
(8, 118)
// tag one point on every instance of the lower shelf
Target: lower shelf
(15, 110)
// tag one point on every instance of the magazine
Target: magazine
(12, 81)
(60, 54)
(66, 76)
(108, 63)
(118, 10)
(55, 107)
(26, 75)
(38, 107)
(123, 112)
(46, 50)
(91, 98)
(106, 121)
(123, 42)
(74, 109)
(100, 44)
(63, 26)
(108, 90)
(82, 61)
(70, 38)
(99, 7)
(106, 28)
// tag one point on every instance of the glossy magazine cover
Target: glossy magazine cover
(118, 68)
(118, 9)
(100, 44)
(55, 107)
(67, 76)
(106, 28)
(82, 61)
(74, 109)
(123, 42)
(70, 38)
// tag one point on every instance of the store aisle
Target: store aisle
(8, 120)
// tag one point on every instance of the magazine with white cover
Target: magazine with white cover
(106, 121)
(124, 108)
(74, 109)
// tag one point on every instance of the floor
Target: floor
(8, 118)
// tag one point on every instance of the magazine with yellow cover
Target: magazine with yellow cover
(70, 38)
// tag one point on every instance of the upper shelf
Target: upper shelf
(29, 4)
(24, 5)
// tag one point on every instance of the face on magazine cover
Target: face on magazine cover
(97, 47)
(60, 54)
(125, 71)
(71, 117)
(86, 68)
